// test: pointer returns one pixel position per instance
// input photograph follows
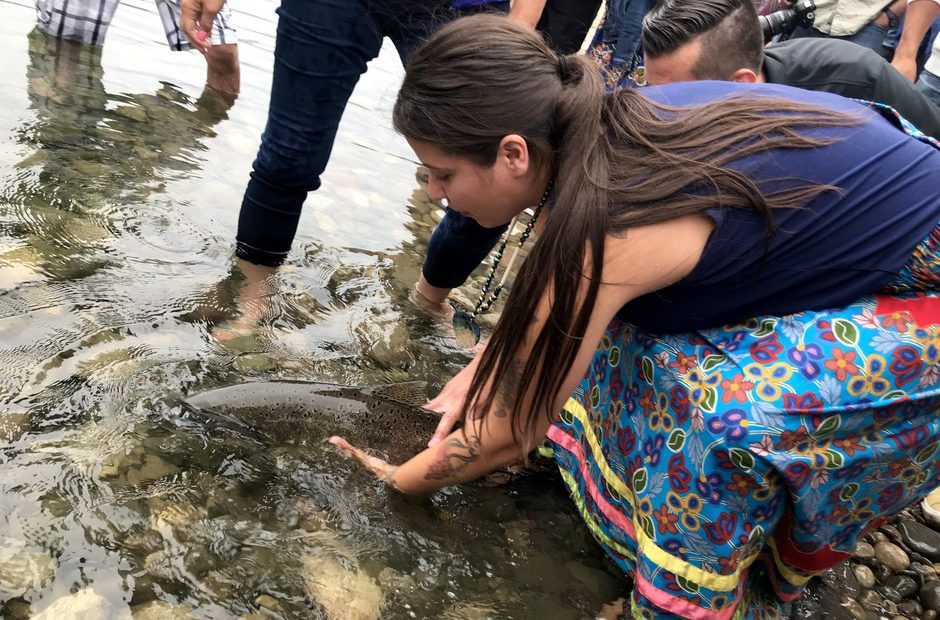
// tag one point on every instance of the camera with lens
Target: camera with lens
(782, 23)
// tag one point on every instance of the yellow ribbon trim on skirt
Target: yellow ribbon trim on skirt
(645, 545)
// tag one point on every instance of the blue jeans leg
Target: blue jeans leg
(929, 85)
(322, 48)
(870, 36)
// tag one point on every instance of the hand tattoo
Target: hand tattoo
(455, 457)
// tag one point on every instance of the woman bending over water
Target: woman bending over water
(727, 331)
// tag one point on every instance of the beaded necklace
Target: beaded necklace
(463, 319)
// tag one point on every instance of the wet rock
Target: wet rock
(89, 168)
(910, 608)
(902, 584)
(390, 580)
(132, 112)
(152, 468)
(882, 572)
(892, 556)
(930, 596)
(865, 576)
(22, 570)
(871, 601)
(84, 604)
(110, 467)
(143, 541)
(890, 594)
(267, 601)
(14, 425)
(864, 550)
(476, 611)
(891, 532)
(923, 572)
(160, 610)
(930, 614)
(921, 539)
(344, 594)
(255, 362)
(876, 537)
(16, 609)
(854, 610)
(392, 351)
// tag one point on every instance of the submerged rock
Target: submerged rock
(344, 594)
(22, 570)
(160, 610)
(84, 604)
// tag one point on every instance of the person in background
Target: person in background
(616, 48)
(565, 23)
(869, 23)
(721, 40)
(87, 21)
(726, 330)
(921, 15)
(322, 48)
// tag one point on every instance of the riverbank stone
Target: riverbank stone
(892, 556)
(921, 539)
(902, 584)
(865, 576)
(930, 596)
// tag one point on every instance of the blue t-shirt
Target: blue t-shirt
(841, 246)
(467, 4)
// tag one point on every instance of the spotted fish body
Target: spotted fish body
(386, 419)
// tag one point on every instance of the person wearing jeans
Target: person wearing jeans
(322, 48)
(869, 23)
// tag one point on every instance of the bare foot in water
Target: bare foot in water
(253, 302)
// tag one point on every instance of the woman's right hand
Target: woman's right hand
(449, 403)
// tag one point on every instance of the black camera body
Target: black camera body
(785, 21)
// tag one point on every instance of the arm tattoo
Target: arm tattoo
(455, 457)
(508, 389)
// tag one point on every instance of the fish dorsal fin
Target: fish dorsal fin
(408, 393)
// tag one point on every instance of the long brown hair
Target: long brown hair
(619, 161)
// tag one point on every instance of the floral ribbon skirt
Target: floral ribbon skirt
(723, 468)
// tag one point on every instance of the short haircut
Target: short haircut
(729, 32)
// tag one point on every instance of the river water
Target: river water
(120, 182)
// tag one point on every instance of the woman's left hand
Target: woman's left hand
(383, 470)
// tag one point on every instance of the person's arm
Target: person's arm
(920, 16)
(658, 255)
(196, 17)
(527, 11)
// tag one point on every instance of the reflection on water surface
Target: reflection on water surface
(119, 185)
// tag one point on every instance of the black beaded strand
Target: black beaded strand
(487, 298)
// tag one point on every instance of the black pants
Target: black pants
(566, 23)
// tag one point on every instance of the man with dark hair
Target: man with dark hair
(686, 40)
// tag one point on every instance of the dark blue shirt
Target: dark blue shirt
(837, 248)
